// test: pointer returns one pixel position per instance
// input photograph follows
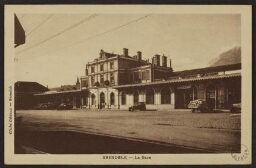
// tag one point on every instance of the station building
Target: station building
(119, 81)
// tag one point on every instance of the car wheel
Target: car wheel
(193, 110)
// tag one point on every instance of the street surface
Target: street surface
(116, 131)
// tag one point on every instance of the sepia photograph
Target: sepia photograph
(128, 84)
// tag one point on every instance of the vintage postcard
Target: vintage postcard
(128, 85)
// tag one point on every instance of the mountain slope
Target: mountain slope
(232, 56)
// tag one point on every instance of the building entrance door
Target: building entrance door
(102, 100)
(183, 95)
(182, 99)
(211, 95)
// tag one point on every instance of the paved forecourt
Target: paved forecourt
(215, 132)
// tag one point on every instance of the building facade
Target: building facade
(119, 81)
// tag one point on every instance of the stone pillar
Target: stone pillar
(97, 99)
(155, 98)
(140, 97)
(74, 101)
(89, 100)
(82, 101)
(158, 98)
(173, 97)
(221, 96)
(118, 100)
(129, 99)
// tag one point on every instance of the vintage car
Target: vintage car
(235, 108)
(47, 106)
(64, 106)
(139, 106)
(41, 106)
(199, 105)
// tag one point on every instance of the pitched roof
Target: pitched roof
(181, 80)
(109, 55)
(65, 88)
(208, 70)
(24, 86)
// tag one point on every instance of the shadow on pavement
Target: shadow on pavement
(68, 142)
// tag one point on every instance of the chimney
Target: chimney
(170, 63)
(125, 52)
(157, 60)
(139, 55)
(153, 60)
(164, 61)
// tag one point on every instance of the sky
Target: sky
(58, 46)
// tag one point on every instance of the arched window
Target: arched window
(93, 99)
(102, 98)
(123, 98)
(150, 96)
(165, 96)
(112, 98)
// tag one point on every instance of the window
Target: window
(111, 65)
(131, 77)
(136, 77)
(101, 67)
(145, 75)
(85, 83)
(101, 78)
(112, 78)
(92, 80)
(92, 69)
(123, 98)
(150, 96)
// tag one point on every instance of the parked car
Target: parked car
(199, 105)
(139, 106)
(53, 106)
(41, 106)
(64, 106)
(47, 106)
(235, 108)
